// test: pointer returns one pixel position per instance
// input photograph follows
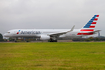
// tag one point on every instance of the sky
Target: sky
(50, 14)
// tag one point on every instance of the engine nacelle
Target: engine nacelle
(44, 37)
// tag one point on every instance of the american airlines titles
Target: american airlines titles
(30, 32)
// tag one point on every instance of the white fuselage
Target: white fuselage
(39, 32)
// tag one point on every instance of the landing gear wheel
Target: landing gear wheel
(52, 40)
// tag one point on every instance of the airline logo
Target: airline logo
(89, 27)
(28, 32)
(18, 32)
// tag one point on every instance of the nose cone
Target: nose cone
(5, 35)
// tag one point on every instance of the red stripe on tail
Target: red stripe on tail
(95, 19)
(86, 30)
(92, 27)
(97, 16)
(93, 22)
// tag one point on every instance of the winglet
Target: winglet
(72, 29)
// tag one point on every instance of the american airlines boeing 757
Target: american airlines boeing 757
(54, 34)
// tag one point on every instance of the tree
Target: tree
(91, 38)
(1, 37)
(97, 39)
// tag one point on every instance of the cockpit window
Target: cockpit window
(8, 32)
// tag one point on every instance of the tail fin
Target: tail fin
(91, 24)
(89, 27)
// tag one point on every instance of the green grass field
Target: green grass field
(52, 56)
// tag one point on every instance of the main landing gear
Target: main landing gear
(53, 40)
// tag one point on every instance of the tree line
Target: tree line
(89, 39)
(74, 39)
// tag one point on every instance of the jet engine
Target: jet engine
(44, 37)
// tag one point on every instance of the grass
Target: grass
(52, 56)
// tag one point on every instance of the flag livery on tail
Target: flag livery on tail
(92, 21)
(89, 27)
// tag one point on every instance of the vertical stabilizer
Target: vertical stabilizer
(89, 27)
(91, 24)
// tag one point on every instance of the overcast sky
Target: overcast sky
(50, 14)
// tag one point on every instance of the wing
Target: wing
(60, 33)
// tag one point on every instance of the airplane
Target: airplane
(54, 34)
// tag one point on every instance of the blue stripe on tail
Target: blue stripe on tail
(90, 22)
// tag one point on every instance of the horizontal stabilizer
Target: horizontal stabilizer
(94, 31)
(89, 33)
